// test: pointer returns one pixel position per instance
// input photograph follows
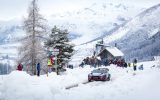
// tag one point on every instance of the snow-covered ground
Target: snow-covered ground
(125, 84)
(89, 22)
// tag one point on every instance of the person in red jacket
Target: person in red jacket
(20, 67)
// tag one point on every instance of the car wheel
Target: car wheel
(109, 77)
(105, 79)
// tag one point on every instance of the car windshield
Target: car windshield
(99, 71)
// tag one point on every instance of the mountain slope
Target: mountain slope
(87, 24)
(136, 36)
(9, 32)
(96, 20)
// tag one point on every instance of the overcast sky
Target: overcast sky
(10, 9)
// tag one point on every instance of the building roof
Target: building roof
(114, 51)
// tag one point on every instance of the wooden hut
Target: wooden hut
(110, 53)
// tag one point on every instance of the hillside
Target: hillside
(95, 21)
(87, 24)
(139, 37)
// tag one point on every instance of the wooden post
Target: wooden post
(47, 70)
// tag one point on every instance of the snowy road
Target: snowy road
(126, 87)
(125, 84)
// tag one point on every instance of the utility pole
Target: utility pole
(56, 66)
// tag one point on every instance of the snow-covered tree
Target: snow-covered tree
(58, 39)
(32, 50)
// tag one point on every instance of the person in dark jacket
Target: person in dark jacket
(38, 69)
(125, 64)
(135, 60)
(82, 64)
(135, 64)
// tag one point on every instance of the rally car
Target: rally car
(100, 74)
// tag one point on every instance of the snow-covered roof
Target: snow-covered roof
(114, 51)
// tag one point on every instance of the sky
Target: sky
(12, 9)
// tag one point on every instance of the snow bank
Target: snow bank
(125, 84)
(20, 86)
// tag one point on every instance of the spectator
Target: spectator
(20, 67)
(129, 64)
(125, 64)
(135, 64)
(38, 69)
(82, 64)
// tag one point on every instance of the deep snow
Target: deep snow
(124, 85)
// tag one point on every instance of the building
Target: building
(107, 53)
(110, 53)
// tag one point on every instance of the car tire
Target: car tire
(105, 79)
(109, 77)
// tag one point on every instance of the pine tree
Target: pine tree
(32, 50)
(58, 39)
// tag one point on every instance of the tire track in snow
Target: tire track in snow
(94, 83)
